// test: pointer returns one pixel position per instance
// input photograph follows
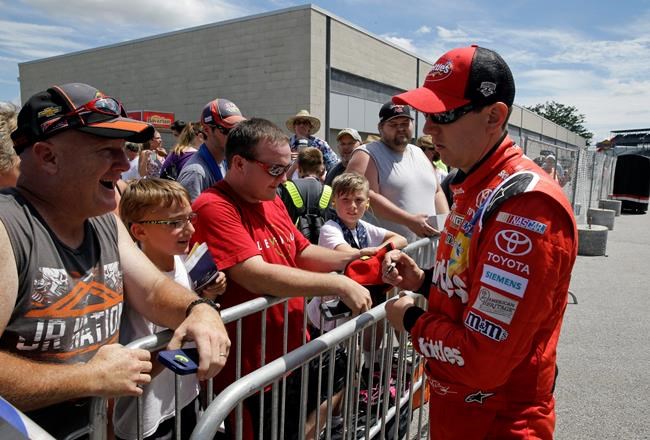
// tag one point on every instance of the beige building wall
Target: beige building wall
(258, 63)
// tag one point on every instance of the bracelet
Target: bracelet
(198, 301)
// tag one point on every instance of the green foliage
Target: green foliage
(567, 116)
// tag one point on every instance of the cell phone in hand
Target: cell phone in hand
(437, 222)
(183, 362)
(335, 309)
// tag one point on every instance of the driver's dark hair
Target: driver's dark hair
(243, 139)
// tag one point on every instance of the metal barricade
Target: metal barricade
(272, 374)
(349, 335)
(389, 382)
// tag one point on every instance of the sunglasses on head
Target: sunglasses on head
(451, 115)
(104, 105)
(273, 170)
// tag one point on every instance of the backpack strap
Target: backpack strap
(294, 193)
(325, 197)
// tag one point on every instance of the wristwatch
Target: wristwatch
(198, 301)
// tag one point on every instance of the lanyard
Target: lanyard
(212, 164)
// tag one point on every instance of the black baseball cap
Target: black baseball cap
(390, 110)
(75, 106)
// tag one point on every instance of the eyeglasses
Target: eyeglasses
(273, 170)
(451, 115)
(177, 223)
(302, 122)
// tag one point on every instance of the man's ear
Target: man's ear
(497, 115)
(46, 156)
(236, 163)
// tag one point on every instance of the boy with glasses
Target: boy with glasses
(498, 289)
(159, 217)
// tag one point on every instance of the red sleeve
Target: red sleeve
(220, 225)
(517, 286)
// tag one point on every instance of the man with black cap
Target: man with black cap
(498, 289)
(208, 165)
(67, 264)
(404, 190)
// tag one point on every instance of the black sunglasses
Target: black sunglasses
(451, 115)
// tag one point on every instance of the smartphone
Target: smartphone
(437, 222)
(183, 362)
(335, 309)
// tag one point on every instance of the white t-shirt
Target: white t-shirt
(331, 235)
(132, 173)
(158, 396)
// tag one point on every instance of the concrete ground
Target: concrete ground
(603, 389)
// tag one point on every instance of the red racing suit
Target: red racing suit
(498, 294)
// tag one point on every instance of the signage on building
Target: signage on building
(158, 119)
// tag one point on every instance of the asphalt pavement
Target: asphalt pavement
(603, 389)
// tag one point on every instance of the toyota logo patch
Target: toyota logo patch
(513, 242)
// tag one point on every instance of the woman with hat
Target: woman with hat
(303, 125)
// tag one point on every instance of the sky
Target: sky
(591, 55)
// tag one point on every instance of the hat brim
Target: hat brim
(315, 123)
(233, 120)
(425, 100)
(121, 128)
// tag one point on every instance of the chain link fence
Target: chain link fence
(585, 176)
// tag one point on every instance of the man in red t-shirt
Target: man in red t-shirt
(498, 289)
(253, 240)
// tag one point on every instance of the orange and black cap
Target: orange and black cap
(54, 110)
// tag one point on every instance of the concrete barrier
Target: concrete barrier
(603, 217)
(614, 205)
(592, 240)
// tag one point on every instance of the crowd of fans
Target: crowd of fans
(281, 214)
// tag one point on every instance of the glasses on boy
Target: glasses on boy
(173, 223)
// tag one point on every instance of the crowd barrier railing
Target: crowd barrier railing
(273, 372)
(398, 365)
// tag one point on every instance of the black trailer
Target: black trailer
(632, 182)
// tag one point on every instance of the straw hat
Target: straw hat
(304, 114)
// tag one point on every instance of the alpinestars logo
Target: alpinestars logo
(478, 397)
(436, 350)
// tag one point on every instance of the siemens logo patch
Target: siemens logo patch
(506, 281)
(485, 327)
(522, 222)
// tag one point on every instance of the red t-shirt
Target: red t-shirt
(236, 230)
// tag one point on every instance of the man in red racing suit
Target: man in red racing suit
(498, 289)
